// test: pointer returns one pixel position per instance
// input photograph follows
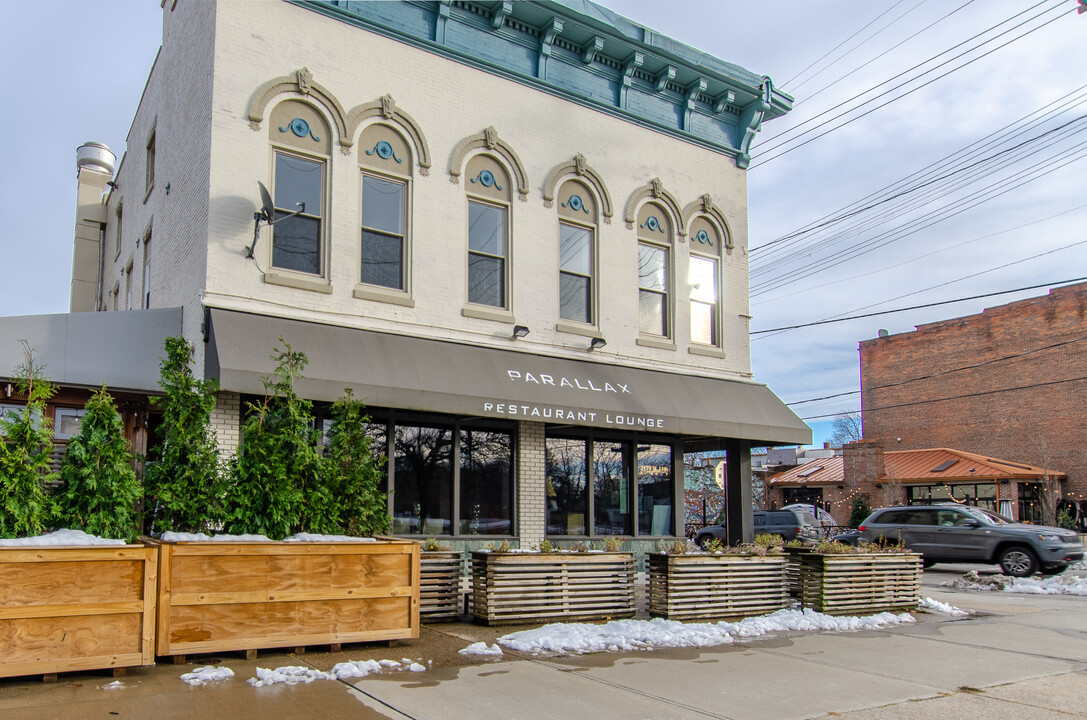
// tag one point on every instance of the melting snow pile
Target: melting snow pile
(207, 674)
(115, 685)
(481, 648)
(60, 538)
(296, 674)
(1056, 585)
(627, 635)
(940, 607)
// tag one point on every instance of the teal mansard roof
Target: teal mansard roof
(587, 54)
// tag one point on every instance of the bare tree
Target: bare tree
(846, 428)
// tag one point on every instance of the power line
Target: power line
(918, 307)
(773, 147)
(957, 397)
(991, 361)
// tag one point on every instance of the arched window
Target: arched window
(704, 278)
(578, 217)
(385, 158)
(655, 297)
(301, 148)
(489, 193)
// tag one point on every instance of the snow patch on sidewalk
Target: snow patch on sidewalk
(943, 608)
(628, 635)
(207, 674)
(483, 649)
(1056, 585)
(296, 674)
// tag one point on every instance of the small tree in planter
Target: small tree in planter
(184, 488)
(860, 512)
(99, 489)
(352, 472)
(26, 445)
(276, 475)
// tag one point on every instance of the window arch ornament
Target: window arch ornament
(704, 205)
(579, 167)
(654, 190)
(385, 107)
(300, 83)
(489, 141)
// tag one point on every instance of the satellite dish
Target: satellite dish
(267, 206)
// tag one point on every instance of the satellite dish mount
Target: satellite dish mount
(267, 215)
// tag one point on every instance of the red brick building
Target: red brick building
(1009, 382)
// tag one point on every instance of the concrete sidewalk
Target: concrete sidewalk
(1021, 656)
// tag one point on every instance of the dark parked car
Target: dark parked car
(961, 533)
(789, 524)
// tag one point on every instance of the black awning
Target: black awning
(397, 371)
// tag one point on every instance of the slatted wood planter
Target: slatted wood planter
(704, 587)
(220, 596)
(858, 584)
(76, 608)
(440, 593)
(534, 587)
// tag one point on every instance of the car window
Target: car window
(807, 518)
(920, 517)
(782, 518)
(892, 517)
(949, 518)
(760, 520)
(985, 516)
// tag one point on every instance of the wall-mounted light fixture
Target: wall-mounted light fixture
(597, 343)
(519, 331)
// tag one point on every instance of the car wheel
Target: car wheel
(1018, 561)
(704, 541)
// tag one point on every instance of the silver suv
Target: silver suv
(961, 533)
(789, 524)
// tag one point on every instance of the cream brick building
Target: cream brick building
(521, 238)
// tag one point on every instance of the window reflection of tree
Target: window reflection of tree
(485, 482)
(611, 488)
(566, 485)
(423, 478)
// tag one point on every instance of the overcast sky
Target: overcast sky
(76, 70)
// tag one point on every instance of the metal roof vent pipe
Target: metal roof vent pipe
(95, 164)
(95, 156)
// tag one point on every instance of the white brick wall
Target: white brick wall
(226, 422)
(531, 483)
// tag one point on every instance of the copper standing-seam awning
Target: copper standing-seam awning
(397, 371)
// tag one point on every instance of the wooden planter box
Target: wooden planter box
(703, 587)
(440, 593)
(533, 587)
(218, 596)
(76, 608)
(858, 584)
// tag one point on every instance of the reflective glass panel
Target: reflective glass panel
(575, 301)
(487, 229)
(382, 258)
(656, 490)
(566, 503)
(652, 268)
(423, 483)
(382, 205)
(611, 488)
(486, 485)
(486, 280)
(298, 181)
(651, 319)
(575, 249)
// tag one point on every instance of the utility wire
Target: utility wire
(918, 307)
(793, 128)
(894, 47)
(956, 397)
(944, 372)
(966, 152)
(925, 84)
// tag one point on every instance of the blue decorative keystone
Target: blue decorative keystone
(703, 237)
(653, 224)
(384, 151)
(575, 203)
(486, 179)
(300, 128)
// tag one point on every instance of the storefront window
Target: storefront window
(611, 489)
(980, 494)
(423, 497)
(566, 502)
(655, 490)
(486, 485)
